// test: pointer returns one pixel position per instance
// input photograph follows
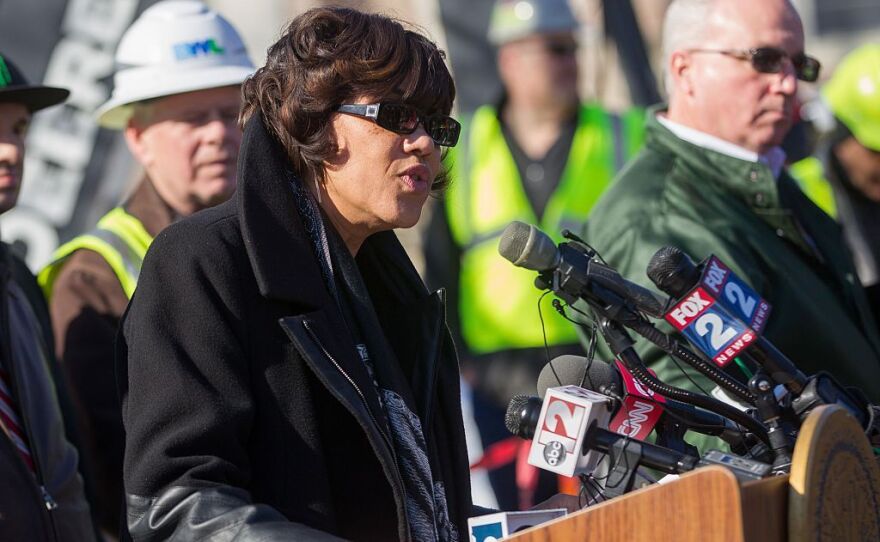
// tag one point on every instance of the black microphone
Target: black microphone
(526, 246)
(673, 272)
(605, 378)
(522, 416)
(577, 276)
(523, 412)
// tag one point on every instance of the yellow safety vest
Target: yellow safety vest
(119, 238)
(810, 175)
(498, 303)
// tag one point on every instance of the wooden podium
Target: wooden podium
(831, 495)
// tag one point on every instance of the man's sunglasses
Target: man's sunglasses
(404, 119)
(772, 60)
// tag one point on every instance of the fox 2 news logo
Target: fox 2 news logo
(710, 326)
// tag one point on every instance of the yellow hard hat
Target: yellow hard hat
(853, 94)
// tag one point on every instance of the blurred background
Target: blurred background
(75, 171)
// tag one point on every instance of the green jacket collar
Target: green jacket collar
(752, 182)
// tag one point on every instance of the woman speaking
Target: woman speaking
(288, 374)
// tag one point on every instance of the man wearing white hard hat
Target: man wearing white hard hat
(176, 99)
(540, 156)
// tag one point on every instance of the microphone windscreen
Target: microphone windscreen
(522, 415)
(672, 271)
(573, 370)
(526, 246)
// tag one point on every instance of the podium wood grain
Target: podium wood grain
(702, 505)
(835, 481)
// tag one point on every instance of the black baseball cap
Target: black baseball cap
(15, 88)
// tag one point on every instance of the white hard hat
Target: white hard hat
(514, 20)
(175, 46)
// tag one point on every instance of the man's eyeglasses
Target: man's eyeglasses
(772, 60)
(404, 119)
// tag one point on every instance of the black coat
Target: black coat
(247, 408)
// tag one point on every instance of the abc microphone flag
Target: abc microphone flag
(566, 415)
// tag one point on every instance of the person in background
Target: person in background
(843, 175)
(710, 180)
(539, 156)
(176, 100)
(41, 496)
(286, 374)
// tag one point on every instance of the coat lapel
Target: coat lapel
(335, 362)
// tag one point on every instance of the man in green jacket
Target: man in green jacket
(710, 181)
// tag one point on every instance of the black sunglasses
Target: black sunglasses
(771, 60)
(404, 119)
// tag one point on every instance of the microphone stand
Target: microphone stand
(622, 345)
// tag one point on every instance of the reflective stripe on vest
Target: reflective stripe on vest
(810, 175)
(498, 303)
(119, 238)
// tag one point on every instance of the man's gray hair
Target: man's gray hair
(683, 27)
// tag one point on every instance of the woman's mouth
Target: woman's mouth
(416, 178)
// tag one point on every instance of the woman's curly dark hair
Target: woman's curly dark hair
(331, 55)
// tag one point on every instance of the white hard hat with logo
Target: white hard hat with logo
(513, 20)
(175, 46)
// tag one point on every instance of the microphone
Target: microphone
(558, 425)
(526, 246)
(595, 438)
(673, 272)
(625, 453)
(575, 275)
(635, 412)
(522, 415)
(639, 409)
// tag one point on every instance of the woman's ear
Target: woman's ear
(336, 135)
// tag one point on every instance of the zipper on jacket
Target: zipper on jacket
(329, 356)
(47, 498)
(385, 438)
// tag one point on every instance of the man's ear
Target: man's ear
(134, 138)
(680, 71)
(505, 60)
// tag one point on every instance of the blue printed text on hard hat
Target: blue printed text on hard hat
(192, 49)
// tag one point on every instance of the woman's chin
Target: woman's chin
(407, 218)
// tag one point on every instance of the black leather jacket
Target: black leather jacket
(50, 506)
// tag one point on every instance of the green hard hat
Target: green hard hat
(513, 20)
(853, 94)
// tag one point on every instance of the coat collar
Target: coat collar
(272, 230)
(752, 183)
(286, 268)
